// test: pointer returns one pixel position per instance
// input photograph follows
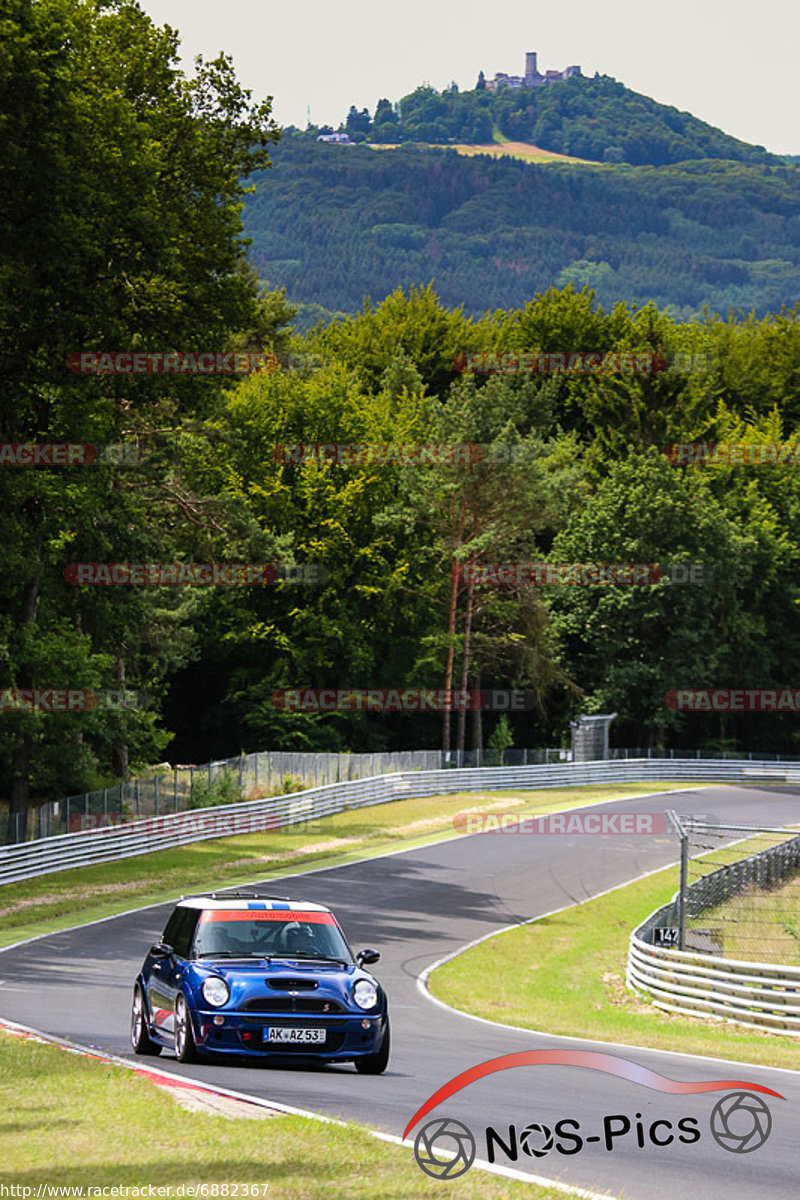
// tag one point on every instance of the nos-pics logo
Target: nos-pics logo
(444, 1148)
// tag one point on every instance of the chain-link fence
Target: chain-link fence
(724, 755)
(176, 789)
(739, 892)
(250, 776)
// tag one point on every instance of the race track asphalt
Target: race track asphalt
(416, 907)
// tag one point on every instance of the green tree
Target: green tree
(626, 646)
(120, 229)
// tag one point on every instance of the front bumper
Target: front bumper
(346, 1036)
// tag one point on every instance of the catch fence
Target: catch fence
(132, 836)
(249, 776)
(728, 943)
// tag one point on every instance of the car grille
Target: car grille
(284, 984)
(291, 1004)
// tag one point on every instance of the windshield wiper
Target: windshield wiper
(319, 957)
(233, 954)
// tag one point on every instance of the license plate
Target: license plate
(281, 1034)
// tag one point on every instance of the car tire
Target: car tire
(375, 1064)
(140, 1038)
(185, 1049)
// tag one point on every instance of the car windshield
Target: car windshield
(269, 935)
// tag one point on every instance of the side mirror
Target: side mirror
(161, 950)
(365, 958)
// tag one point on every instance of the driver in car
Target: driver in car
(300, 939)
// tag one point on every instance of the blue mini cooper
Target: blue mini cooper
(261, 976)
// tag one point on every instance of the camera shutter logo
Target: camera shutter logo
(740, 1122)
(529, 1136)
(458, 1152)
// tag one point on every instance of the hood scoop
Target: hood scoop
(287, 984)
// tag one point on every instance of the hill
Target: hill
(334, 223)
(596, 119)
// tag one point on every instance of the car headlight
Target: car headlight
(365, 994)
(215, 991)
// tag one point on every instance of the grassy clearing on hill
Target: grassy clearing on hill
(524, 150)
(502, 148)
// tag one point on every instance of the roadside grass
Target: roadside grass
(60, 900)
(759, 925)
(565, 975)
(71, 1121)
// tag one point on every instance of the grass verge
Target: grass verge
(70, 1121)
(66, 898)
(565, 974)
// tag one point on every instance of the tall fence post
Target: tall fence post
(682, 892)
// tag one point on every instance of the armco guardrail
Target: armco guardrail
(757, 995)
(174, 829)
(172, 789)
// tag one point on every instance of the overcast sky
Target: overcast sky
(733, 63)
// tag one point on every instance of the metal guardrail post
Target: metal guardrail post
(680, 899)
(682, 893)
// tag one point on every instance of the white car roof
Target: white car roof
(238, 904)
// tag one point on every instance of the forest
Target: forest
(336, 223)
(364, 571)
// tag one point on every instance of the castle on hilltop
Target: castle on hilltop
(531, 79)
